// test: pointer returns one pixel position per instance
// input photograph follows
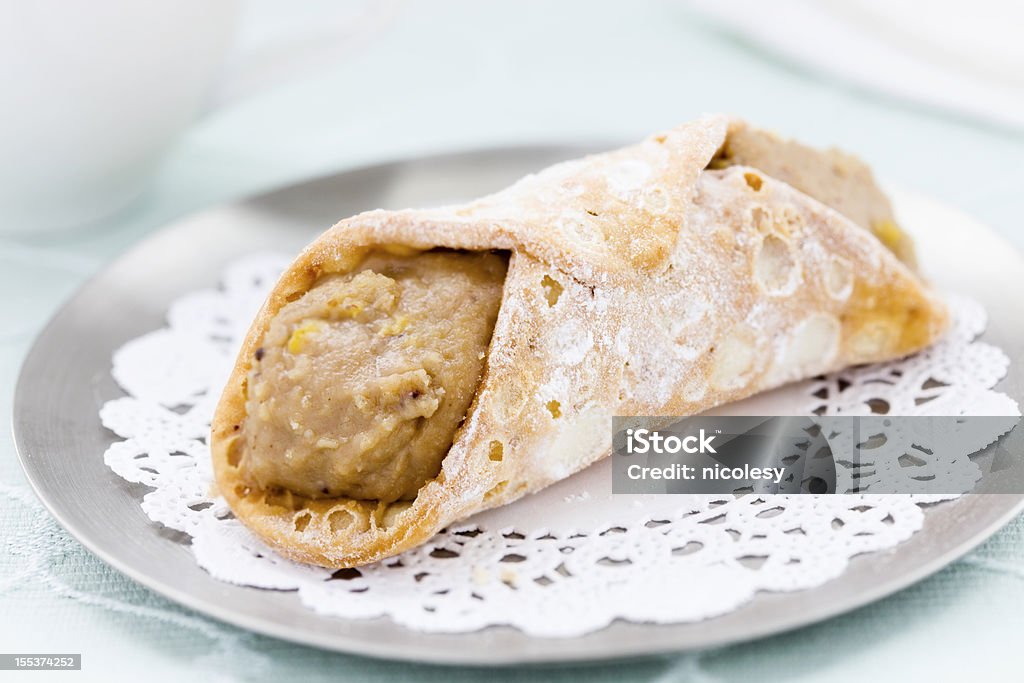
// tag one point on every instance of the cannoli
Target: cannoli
(414, 367)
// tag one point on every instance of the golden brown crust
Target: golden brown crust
(638, 283)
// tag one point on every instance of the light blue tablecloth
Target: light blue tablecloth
(455, 76)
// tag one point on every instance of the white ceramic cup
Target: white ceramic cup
(91, 96)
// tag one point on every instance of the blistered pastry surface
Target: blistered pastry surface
(638, 283)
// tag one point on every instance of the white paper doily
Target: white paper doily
(571, 558)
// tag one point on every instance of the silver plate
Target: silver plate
(66, 378)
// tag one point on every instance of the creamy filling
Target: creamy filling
(361, 384)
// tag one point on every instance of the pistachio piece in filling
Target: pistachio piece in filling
(360, 384)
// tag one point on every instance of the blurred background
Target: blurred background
(120, 116)
(156, 108)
